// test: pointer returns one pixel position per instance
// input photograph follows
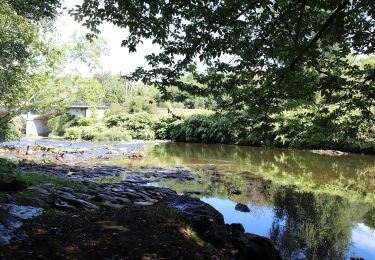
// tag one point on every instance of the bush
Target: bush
(9, 131)
(82, 121)
(115, 109)
(140, 104)
(113, 134)
(73, 133)
(139, 126)
(164, 126)
(57, 125)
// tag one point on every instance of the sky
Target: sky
(118, 60)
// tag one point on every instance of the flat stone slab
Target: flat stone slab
(10, 219)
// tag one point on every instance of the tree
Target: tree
(60, 89)
(114, 87)
(86, 51)
(284, 54)
(20, 57)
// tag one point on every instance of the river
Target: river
(310, 205)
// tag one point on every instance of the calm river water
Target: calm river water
(311, 206)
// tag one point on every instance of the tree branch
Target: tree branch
(320, 33)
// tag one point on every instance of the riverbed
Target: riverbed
(310, 205)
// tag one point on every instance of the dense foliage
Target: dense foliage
(25, 59)
(21, 50)
(280, 58)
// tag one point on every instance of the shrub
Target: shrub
(113, 134)
(139, 126)
(9, 131)
(57, 125)
(115, 109)
(140, 104)
(164, 126)
(73, 133)
(82, 121)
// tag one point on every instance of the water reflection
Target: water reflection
(312, 206)
(316, 226)
(298, 208)
(352, 175)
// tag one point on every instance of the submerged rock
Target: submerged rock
(242, 207)
(235, 191)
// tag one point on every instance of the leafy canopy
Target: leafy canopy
(20, 48)
(281, 52)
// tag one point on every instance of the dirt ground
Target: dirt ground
(128, 233)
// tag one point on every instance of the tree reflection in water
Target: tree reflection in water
(312, 226)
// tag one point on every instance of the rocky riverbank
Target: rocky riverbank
(65, 204)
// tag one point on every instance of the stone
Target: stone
(21, 212)
(206, 220)
(242, 207)
(114, 206)
(12, 186)
(122, 200)
(255, 247)
(235, 227)
(144, 203)
(40, 190)
(63, 205)
(235, 191)
(79, 203)
(36, 202)
(9, 198)
(8, 225)
(10, 219)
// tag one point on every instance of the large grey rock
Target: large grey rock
(21, 212)
(10, 219)
(76, 202)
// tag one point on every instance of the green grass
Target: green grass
(9, 172)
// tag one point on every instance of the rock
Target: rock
(255, 247)
(206, 220)
(10, 219)
(117, 189)
(242, 207)
(209, 224)
(21, 212)
(101, 197)
(15, 185)
(36, 202)
(235, 191)
(78, 203)
(114, 206)
(144, 203)
(63, 205)
(40, 190)
(194, 193)
(9, 198)
(122, 200)
(8, 225)
(235, 227)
